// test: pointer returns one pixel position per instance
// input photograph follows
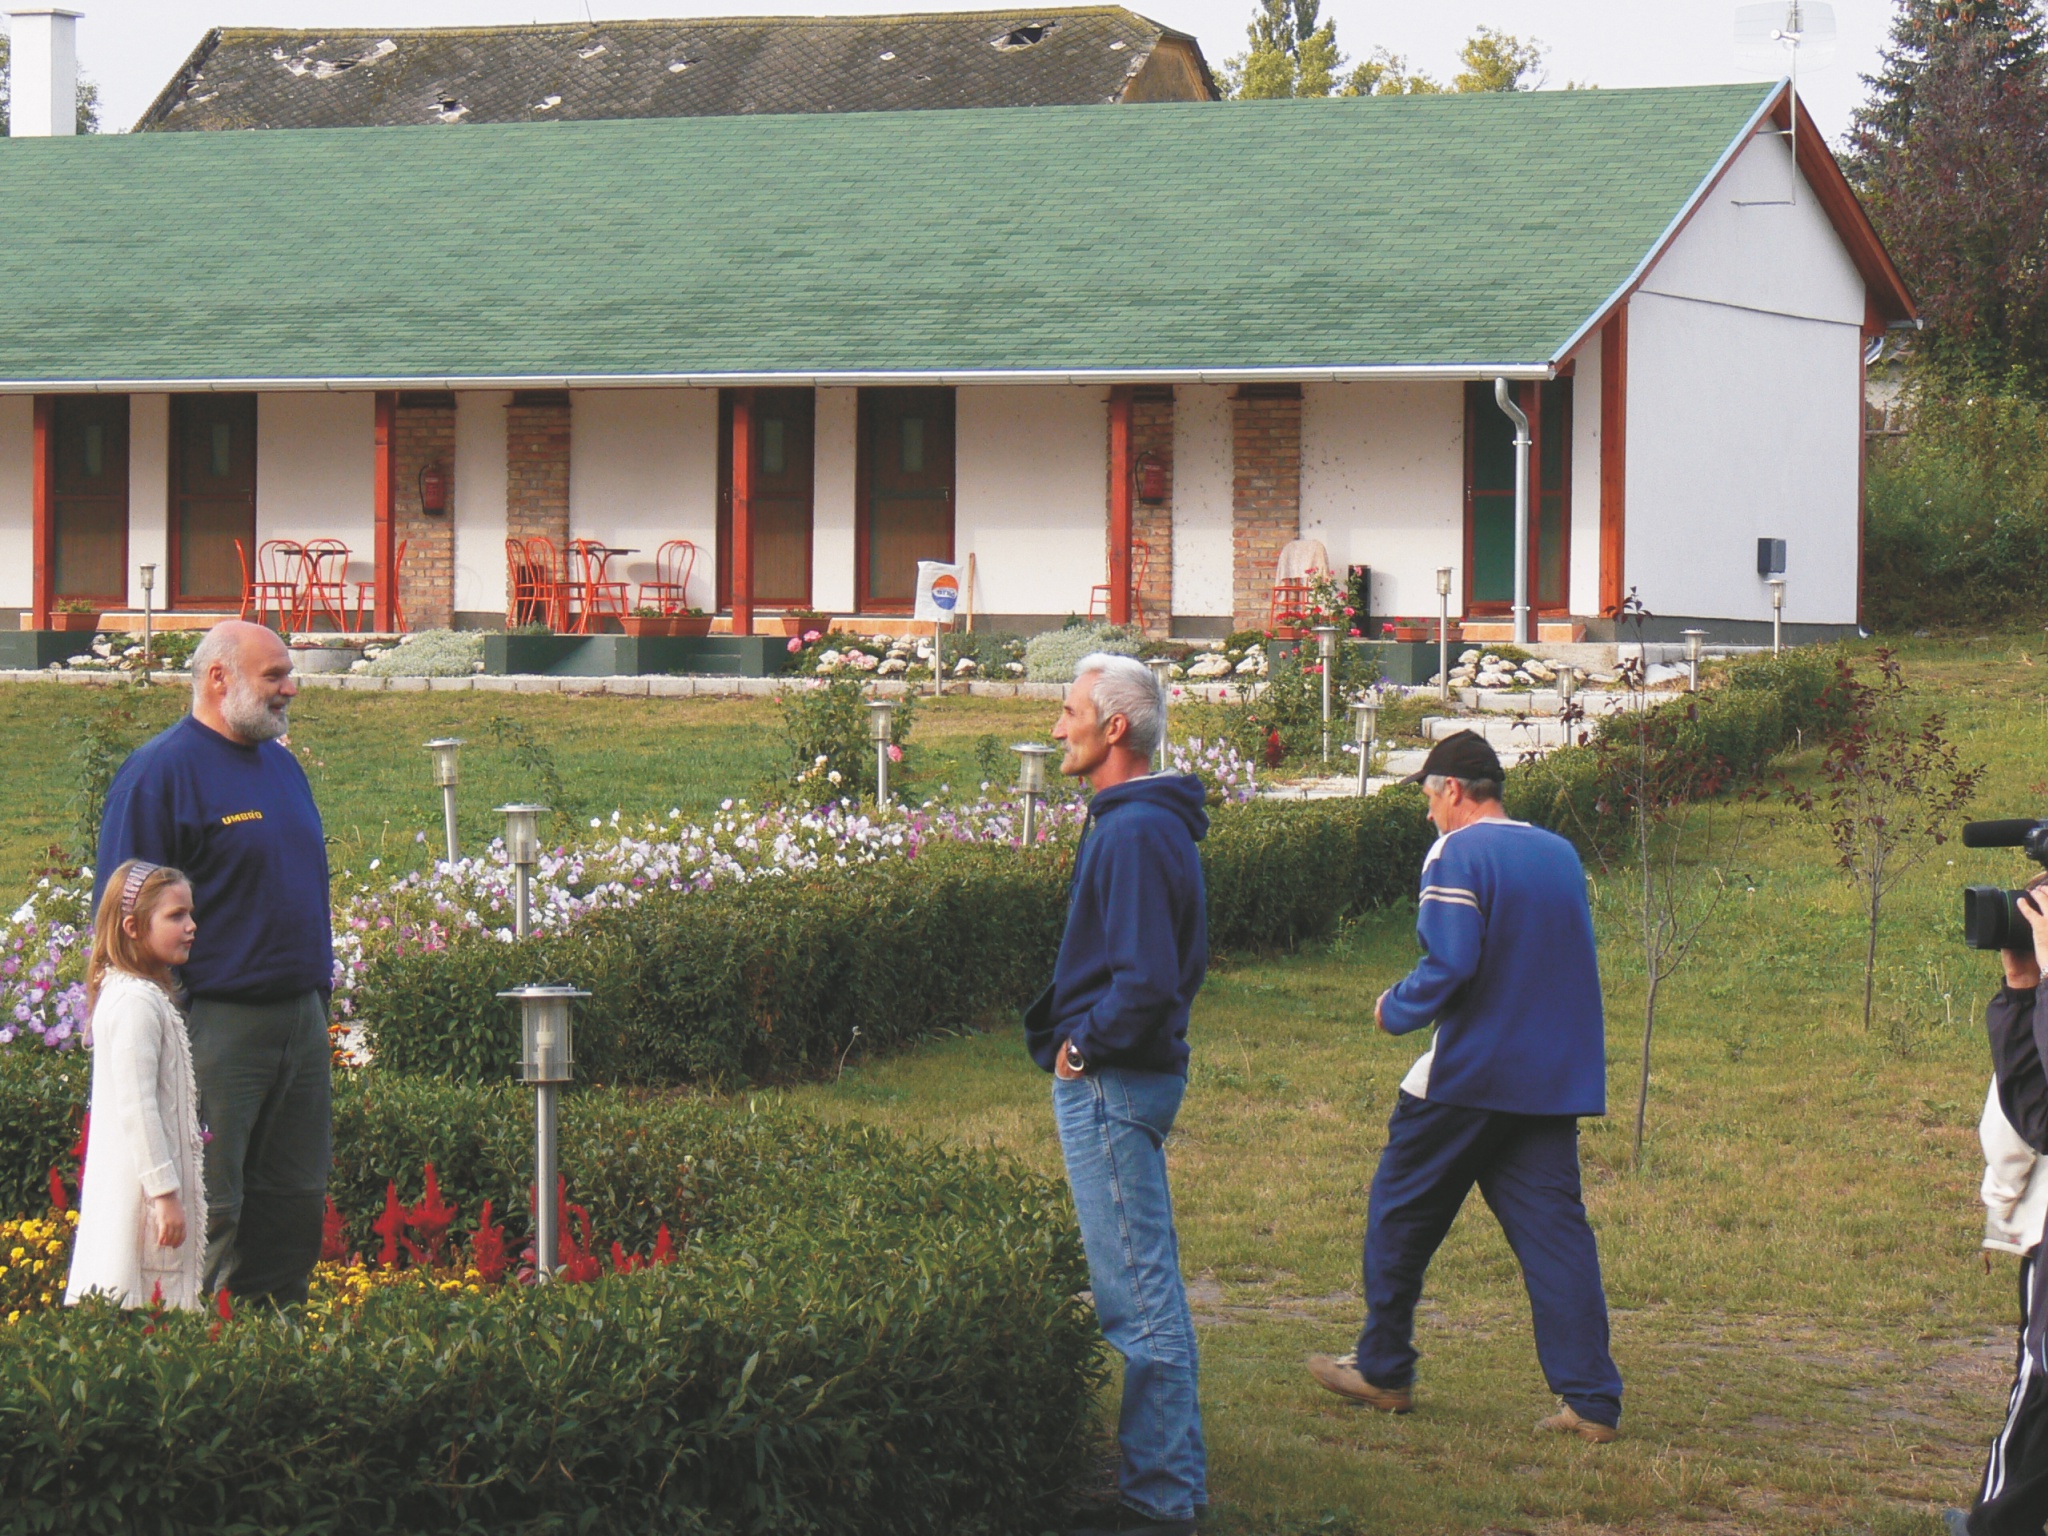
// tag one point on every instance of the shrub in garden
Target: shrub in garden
(430, 653)
(1051, 657)
(830, 754)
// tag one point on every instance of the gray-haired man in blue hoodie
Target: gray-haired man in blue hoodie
(1112, 1029)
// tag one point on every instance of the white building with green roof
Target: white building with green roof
(1131, 347)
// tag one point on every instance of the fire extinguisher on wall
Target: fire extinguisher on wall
(433, 490)
(1151, 478)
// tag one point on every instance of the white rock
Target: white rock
(891, 667)
(1248, 666)
(965, 667)
(1468, 658)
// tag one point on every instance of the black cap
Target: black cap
(1463, 756)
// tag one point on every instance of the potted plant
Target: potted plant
(75, 616)
(801, 621)
(645, 622)
(692, 622)
(1407, 630)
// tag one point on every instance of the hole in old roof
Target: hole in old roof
(680, 65)
(1022, 37)
(303, 63)
(547, 103)
(887, 56)
(592, 51)
(449, 110)
(1117, 47)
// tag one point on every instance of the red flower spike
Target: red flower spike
(431, 1218)
(390, 1226)
(78, 1146)
(333, 1237)
(59, 1200)
(487, 1248)
(624, 1263)
(664, 1246)
(225, 1306)
(574, 1257)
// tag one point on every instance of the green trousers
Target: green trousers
(266, 1097)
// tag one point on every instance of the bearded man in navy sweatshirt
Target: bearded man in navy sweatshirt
(1112, 1029)
(1510, 979)
(220, 797)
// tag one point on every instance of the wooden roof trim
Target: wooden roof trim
(1885, 289)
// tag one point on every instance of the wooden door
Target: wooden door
(89, 499)
(905, 497)
(784, 422)
(1490, 498)
(213, 497)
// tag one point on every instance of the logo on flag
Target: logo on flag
(938, 591)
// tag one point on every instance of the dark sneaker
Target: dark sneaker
(1122, 1520)
(1567, 1422)
(1340, 1375)
(1956, 1522)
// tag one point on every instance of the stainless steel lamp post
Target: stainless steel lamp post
(1031, 784)
(522, 847)
(148, 573)
(1160, 665)
(1777, 614)
(1567, 682)
(547, 1059)
(1365, 726)
(1693, 637)
(1326, 650)
(881, 727)
(1443, 631)
(444, 749)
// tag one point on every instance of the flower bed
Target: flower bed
(852, 1335)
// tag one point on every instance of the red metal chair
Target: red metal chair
(554, 592)
(601, 597)
(324, 587)
(366, 591)
(1288, 616)
(670, 589)
(526, 587)
(1141, 561)
(273, 583)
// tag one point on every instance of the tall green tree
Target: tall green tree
(1499, 61)
(2005, 37)
(1292, 53)
(1386, 73)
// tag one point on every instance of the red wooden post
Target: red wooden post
(1613, 459)
(743, 511)
(386, 617)
(43, 591)
(1120, 473)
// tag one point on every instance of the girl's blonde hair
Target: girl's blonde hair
(112, 948)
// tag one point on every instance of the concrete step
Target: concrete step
(1505, 736)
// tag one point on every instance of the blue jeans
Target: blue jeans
(1113, 1125)
(1527, 1168)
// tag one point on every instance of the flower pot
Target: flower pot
(1410, 632)
(76, 623)
(643, 626)
(804, 623)
(691, 625)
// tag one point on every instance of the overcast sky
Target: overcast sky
(131, 47)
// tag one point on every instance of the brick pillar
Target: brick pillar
(423, 433)
(1152, 521)
(1265, 492)
(537, 469)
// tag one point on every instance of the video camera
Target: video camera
(1991, 915)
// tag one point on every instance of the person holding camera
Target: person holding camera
(2013, 1495)
(1510, 979)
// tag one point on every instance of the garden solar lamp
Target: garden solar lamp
(1777, 613)
(522, 847)
(1160, 665)
(1693, 637)
(1031, 784)
(148, 618)
(1443, 631)
(1567, 683)
(1365, 727)
(1326, 652)
(547, 1059)
(881, 728)
(444, 749)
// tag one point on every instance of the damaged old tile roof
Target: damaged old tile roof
(1373, 232)
(244, 77)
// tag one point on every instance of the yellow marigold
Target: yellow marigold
(17, 1254)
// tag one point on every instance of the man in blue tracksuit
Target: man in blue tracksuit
(1510, 979)
(1112, 1029)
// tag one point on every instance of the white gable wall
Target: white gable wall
(1745, 405)
(643, 468)
(17, 500)
(1031, 477)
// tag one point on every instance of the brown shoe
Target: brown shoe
(1341, 1376)
(1567, 1422)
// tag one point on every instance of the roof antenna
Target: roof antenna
(1765, 35)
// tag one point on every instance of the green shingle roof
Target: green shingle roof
(1454, 231)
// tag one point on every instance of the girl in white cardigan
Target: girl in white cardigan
(142, 1205)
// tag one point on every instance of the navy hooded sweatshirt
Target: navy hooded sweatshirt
(241, 823)
(1137, 940)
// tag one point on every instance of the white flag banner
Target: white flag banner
(939, 587)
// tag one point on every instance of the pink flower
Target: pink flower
(1348, 612)
(810, 637)
(895, 753)
(1354, 634)
(795, 644)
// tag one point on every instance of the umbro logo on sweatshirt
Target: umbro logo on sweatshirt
(229, 821)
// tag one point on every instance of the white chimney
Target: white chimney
(44, 100)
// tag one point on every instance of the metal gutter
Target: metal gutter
(1383, 373)
(1678, 222)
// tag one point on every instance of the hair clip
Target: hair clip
(138, 872)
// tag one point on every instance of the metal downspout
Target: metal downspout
(1505, 400)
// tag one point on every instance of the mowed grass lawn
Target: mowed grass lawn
(1809, 1337)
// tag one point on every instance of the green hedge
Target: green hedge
(860, 1335)
(772, 980)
